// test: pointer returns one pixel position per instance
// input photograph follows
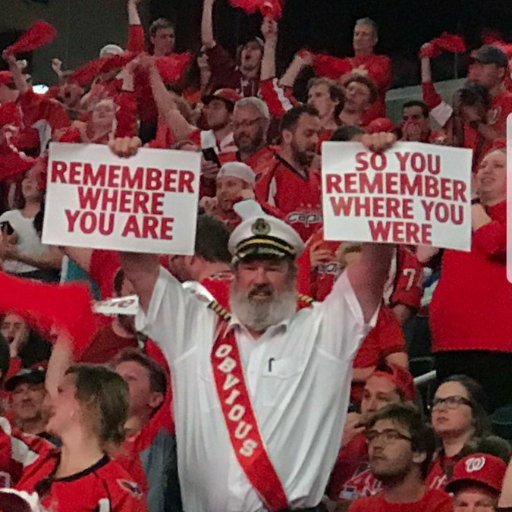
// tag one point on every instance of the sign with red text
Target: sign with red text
(146, 203)
(418, 194)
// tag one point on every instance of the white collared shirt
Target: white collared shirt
(298, 375)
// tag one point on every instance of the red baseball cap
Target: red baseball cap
(479, 468)
(399, 376)
(230, 96)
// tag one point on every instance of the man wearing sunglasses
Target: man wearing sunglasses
(400, 448)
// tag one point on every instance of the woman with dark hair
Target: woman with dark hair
(21, 250)
(88, 411)
(459, 417)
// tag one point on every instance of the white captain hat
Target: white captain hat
(265, 237)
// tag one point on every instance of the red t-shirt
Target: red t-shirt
(297, 198)
(470, 309)
(105, 345)
(432, 501)
(226, 74)
(351, 477)
(103, 486)
(441, 471)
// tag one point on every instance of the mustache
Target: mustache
(261, 288)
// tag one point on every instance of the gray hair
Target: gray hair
(369, 21)
(255, 103)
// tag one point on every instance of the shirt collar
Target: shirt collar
(235, 323)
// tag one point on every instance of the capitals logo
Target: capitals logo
(306, 218)
(131, 487)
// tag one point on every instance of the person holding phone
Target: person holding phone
(21, 250)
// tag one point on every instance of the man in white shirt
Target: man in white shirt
(260, 399)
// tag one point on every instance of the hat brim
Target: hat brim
(264, 247)
(11, 384)
(456, 485)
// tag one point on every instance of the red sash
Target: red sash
(241, 421)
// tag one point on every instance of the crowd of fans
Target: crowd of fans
(125, 413)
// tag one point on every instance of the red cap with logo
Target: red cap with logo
(400, 377)
(479, 468)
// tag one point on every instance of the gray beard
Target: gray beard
(261, 316)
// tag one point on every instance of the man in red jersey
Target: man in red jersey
(400, 448)
(292, 184)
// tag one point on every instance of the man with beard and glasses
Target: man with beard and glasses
(251, 119)
(400, 449)
(242, 387)
(292, 185)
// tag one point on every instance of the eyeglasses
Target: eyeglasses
(450, 402)
(247, 123)
(388, 435)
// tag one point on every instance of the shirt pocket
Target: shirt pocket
(280, 380)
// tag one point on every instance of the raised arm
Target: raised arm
(17, 73)
(300, 61)
(60, 360)
(135, 30)
(165, 103)
(142, 271)
(370, 274)
(207, 37)
(81, 256)
(269, 30)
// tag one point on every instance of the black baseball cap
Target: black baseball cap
(488, 54)
(26, 376)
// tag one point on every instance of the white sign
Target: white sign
(418, 194)
(128, 305)
(146, 203)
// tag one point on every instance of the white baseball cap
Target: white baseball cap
(238, 170)
(111, 49)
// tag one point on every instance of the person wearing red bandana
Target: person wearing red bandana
(242, 385)
(400, 448)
